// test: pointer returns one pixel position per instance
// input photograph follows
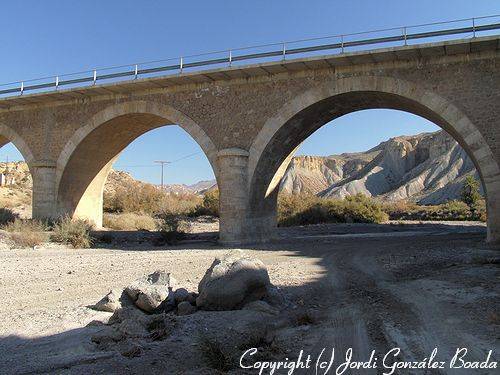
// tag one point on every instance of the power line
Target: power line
(162, 162)
(154, 166)
(187, 156)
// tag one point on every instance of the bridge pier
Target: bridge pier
(239, 223)
(493, 209)
(44, 197)
(233, 195)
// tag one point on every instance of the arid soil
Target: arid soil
(366, 287)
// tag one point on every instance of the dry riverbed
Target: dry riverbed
(369, 287)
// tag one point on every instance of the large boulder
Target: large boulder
(232, 281)
(150, 291)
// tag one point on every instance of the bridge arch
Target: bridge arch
(296, 120)
(8, 135)
(86, 159)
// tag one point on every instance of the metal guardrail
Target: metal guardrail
(230, 56)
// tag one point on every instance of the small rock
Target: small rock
(192, 298)
(185, 308)
(261, 306)
(110, 302)
(130, 321)
(181, 295)
(106, 338)
(131, 350)
(274, 296)
(150, 291)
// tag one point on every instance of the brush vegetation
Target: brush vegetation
(74, 232)
(26, 233)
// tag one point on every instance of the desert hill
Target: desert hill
(428, 168)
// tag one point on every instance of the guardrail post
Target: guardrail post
(342, 43)
(136, 71)
(22, 88)
(284, 50)
(405, 35)
(230, 57)
(473, 27)
(95, 76)
(181, 64)
(57, 82)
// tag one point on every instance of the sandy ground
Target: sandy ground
(366, 287)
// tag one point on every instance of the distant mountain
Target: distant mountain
(197, 188)
(124, 179)
(428, 168)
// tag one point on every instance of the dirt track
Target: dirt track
(380, 287)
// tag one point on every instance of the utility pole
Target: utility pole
(162, 162)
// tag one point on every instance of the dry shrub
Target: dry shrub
(73, 232)
(7, 216)
(215, 354)
(171, 228)
(308, 209)
(129, 221)
(26, 233)
(209, 205)
(148, 199)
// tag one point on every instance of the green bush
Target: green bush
(304, 210)
(470, 191)
(471, 196)
(449, 211)
(73, 232)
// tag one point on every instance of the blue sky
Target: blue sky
(40, 38)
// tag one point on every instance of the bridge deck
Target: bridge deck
(402, 53)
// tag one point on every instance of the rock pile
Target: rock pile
(153, 307)
(232, 282)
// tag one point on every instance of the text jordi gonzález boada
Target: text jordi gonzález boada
(326, 363)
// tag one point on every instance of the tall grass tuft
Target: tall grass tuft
(26, 233)
(73, 232)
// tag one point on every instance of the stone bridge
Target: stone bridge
(249, 119)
